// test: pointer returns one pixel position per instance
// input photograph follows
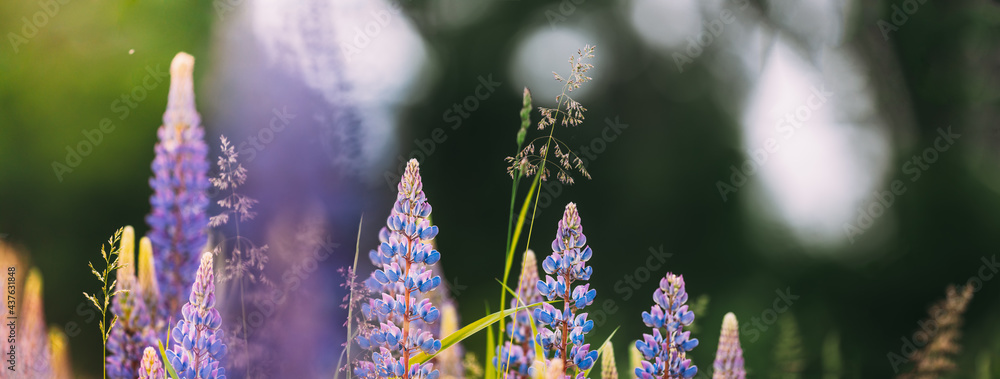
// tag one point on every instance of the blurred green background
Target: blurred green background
(654, 186)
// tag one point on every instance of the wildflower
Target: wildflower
(516, 356)
(151, 367)
(665, 353)
(556, 369)
(32, 335)
(198, 345)
(561, 333)
(449, 361)
(147, 285)
(133, 330)
(404, 256)
(608, 368)
(729, 356)
(60, 362)
(177, 220)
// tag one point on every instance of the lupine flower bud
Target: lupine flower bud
(568, 263)
(198, 345)
(177, 220)
(134, 328)
(33, 336)
(520, 351)
(60, 362)
(556, 369)
(666, 354)
(729, 356)
(609, 370)
(126, 257)
(525, 117)
(401, 285)
(152, 367)
(148, 286)
(449, 361)
(634, 358)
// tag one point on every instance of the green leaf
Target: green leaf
(468, 330)
(539, 353)
(601, 351)
(491, 372)
(513, 245)
(166, 362)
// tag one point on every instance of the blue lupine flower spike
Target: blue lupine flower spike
(561, 333)
(198, 346)
(400, 305)
(665, 350)
(177, 220)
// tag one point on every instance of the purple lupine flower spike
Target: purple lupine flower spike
(198, 346)
(400, 305)
(134, 328)
(729, 356)
(561, 333)
(177, 220)
(151, 366)
(665, 351)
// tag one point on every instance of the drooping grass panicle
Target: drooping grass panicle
(198, 345)
(729, 356)
(665, 350)
(936, 358)
(101, 300)
(561, 332)
(177, 220)
(246, 261)
(534, 158)
(134, 330)
(404, 260)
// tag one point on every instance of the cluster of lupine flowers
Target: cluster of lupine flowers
(403, 326)
(403, 281)
(170, 264)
